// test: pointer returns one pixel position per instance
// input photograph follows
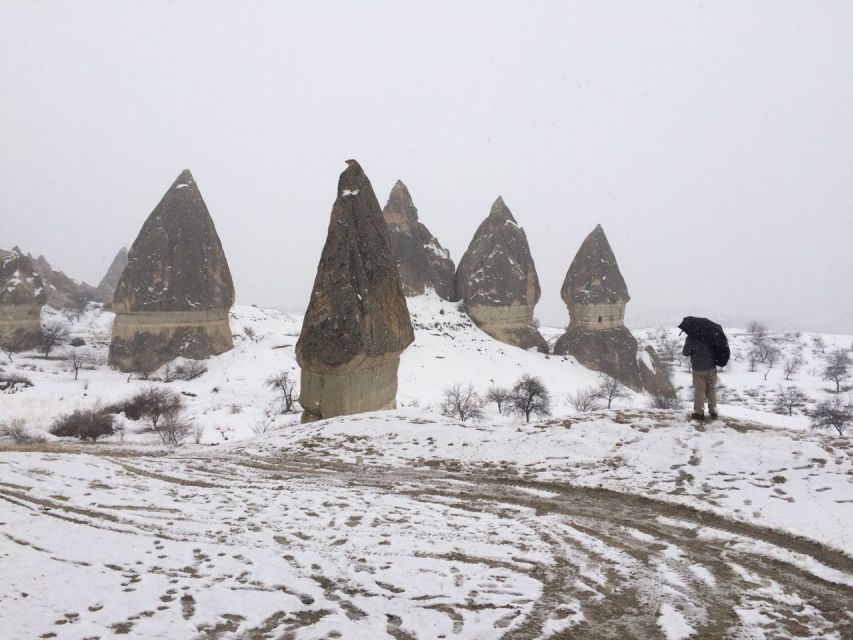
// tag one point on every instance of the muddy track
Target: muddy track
(719, 565)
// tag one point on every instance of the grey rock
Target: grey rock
(22, 295)
(421, 259)
(357, 323)
(497, 281)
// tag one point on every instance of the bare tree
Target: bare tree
(159, 402)
(53, 333)
(787, 399)
(78, 358)
(610, 389)
(791, 366)
(198, 433)
(284, 383)
(530, 396)
(756, 329)
(584, 400)
(498, 395)
(837, 368)
(818, 343)
(667, 346)
(832, 414)
(462, 403)
(771, 357)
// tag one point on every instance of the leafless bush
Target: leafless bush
(190, 370)
(771, 357)
(78, 358)
(250, 333)
(86, 424)
(584, 400)
(198, 433)
(529, 397)
(173, 429)
(832, 414)
(664, 401)
(499, 395)
(284, 383)
(787, 399)
(461, 403)
(610, 389)
(756, 329)
(818, 343)
(261, 427)
(14, 382)
(159, 402)
(16, 430)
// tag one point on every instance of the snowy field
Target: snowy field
(405, 524)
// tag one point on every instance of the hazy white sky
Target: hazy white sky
(713, 140)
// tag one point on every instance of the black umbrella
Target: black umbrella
(710, 332)
(700, 327)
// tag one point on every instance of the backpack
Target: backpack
(719, 347)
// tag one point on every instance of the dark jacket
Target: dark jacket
(701, 356)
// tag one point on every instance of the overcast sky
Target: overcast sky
(713, 141)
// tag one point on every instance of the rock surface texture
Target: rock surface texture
(174, 295)
(421, 259)
(107, 287)
(22, 295)
(497, 282)
(357, 323)
(596, 295)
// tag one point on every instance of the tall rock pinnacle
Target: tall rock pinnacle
(596, 295)
(497, 281)
(357, 323)
(421, 260)
(22, 295)
(173, 297)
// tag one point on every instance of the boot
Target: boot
(697, 416)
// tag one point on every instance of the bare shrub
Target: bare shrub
(664, 401)
(14, 382)
(787, 399)
(173, 429)
(818, 343)
(499, 395)
(159, 402)
(16, 430)
(261, 427)
(832, 414)
(284, 383)
(529, 397)
(198, 433)
(461, 403)
(78, 358)
(610, 389)
(771, 357)
(86, 424)
(190, 370)
(791, 366)
(584, 400)
(53, 333)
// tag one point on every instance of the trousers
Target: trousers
(705, 386)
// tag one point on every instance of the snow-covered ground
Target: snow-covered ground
(406, 524)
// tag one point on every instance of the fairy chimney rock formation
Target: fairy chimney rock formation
(357, 323)
(108, 284)
(497, 282)
(596, 295)
(422, 261)
(173, 297)
(22, 296)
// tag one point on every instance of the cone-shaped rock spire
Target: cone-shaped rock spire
(109, 282)
(22, 296)
(421, 259)
(596, 294)
(357, 323)
(173, 297)
(497, 281)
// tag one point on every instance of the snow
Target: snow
(186, 530)
(349, 192)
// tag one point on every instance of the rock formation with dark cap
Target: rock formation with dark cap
(357, 323)
(596, 295)
(22, 296)
(175, 293)
(107, 287)
(422, 261)
(497, 282)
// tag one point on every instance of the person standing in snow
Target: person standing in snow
(704, 376)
